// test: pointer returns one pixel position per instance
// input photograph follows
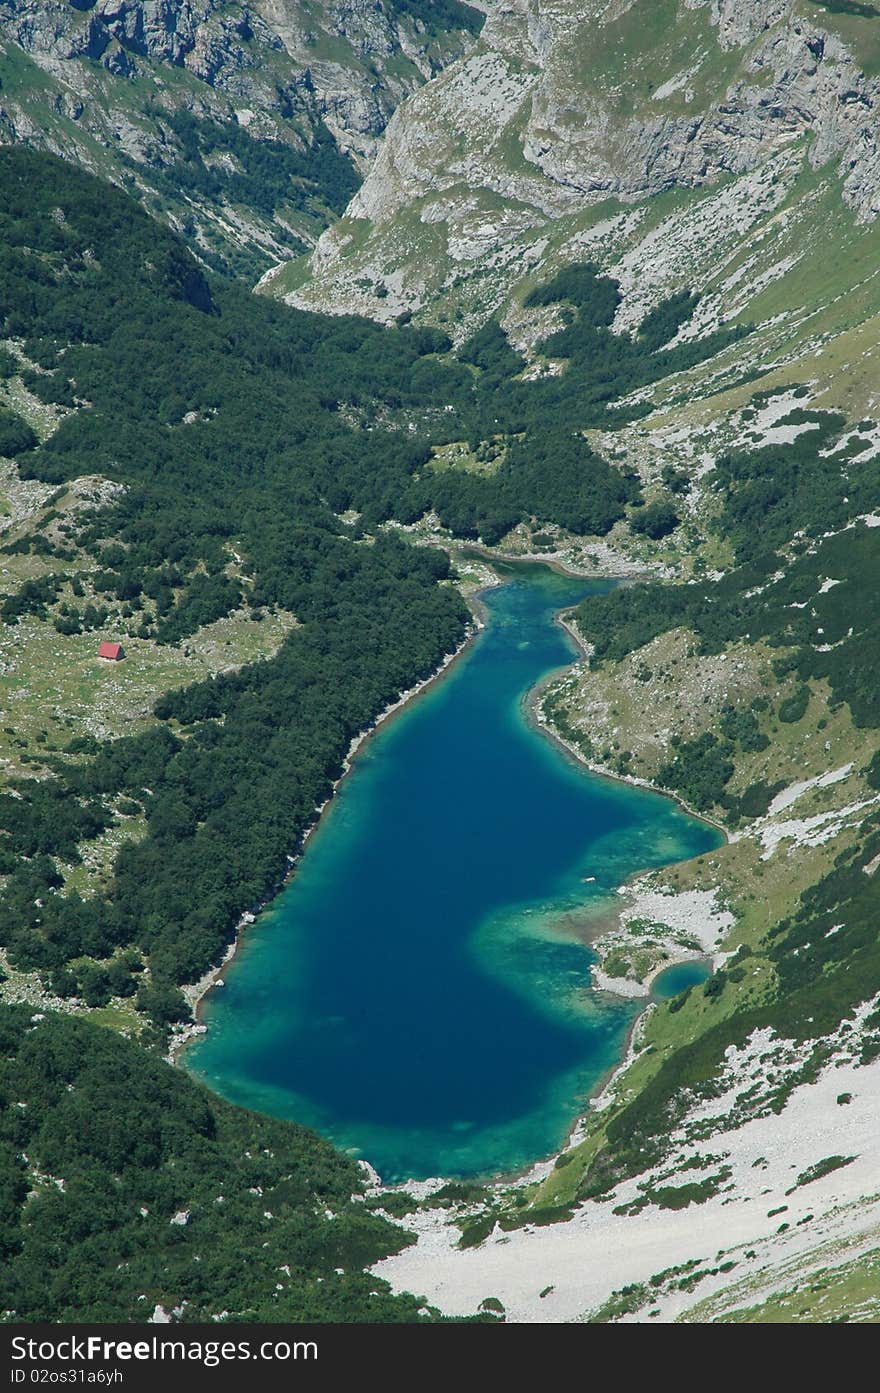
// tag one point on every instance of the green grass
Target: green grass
(20, 73)
(845, 1291)
(853, 21)
(458, 455)
(121, 1017)
(629, 57)
(57, 684)
(54, 687)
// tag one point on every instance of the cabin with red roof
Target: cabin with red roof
(111, 651)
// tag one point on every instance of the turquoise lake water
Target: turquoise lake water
(678, 978)
(417, 993)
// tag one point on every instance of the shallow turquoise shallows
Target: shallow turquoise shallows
(417, 993)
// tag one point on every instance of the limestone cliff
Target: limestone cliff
(564, 109)
(97, 81)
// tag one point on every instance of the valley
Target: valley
(314, 317)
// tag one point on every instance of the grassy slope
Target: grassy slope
(803, 270)
(54, 688)
(762, 873)
(844, 1292)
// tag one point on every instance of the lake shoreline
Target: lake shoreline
(626, 987)
(534, 697)
(537, 1170)
(197, 993)
(629, 574)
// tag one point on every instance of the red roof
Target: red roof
(111, 650)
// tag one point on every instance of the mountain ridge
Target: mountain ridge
(101, 82)
(558, 147)
(627, 260)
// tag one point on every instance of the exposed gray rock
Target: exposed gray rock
(339, 49)
(564, 104)
(275, 68)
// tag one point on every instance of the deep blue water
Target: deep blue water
(417, 993)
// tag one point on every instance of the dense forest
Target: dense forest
(233, 420)
(124, 1184)
(549, 472)
(263, 175)
(109, 302)
(800, 518)
(260, 452)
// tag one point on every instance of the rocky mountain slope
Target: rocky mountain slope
(727, 153)
(546, 140)
(720, 162)
(247, 126)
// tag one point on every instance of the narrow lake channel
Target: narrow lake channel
(418, 993)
